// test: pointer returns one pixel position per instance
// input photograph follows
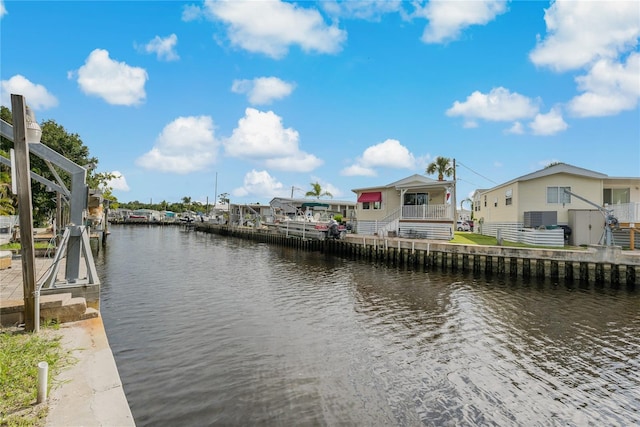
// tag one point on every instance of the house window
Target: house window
(614, 196)
(366, 205)
(377, 205)
(485, 201)
(557, 195)
(508, 197)
(412, 199)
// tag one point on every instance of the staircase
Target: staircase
(60, 308)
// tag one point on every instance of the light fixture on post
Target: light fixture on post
(34, 132)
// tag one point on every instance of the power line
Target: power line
(480, 175)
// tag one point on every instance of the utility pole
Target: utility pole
(453, 196)
(215, 198)
(25, 209)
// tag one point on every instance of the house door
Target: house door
(415, 205)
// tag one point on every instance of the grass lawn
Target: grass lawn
(20, 354)
(16, 246)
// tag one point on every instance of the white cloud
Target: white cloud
(372, 10)
(191, 12)
(36, 96)
(260, 183)
(609, 88)
(298, 162)
(580, 32)
(118, 182)
(115, 82)
(263, 90)
(164, 48)
(498, 105)
(447, 19)
(516, 129)
(357, 170)
(261, 136)
(185, 145)
(388, 154)
(270, 27)
(3, 10)
(548, 124)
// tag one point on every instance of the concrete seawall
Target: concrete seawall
(593, 265)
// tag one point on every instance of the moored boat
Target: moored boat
(312, 223)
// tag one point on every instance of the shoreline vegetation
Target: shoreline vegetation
(20, 353)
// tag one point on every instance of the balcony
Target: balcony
(626, 212)
(426, 212)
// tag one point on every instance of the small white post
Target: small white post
(43, 375)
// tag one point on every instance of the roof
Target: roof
(308, 200)
(413, 181)
(554, 170)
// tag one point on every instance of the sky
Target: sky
(259, 99)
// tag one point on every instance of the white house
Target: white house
(558, 195)
(415, 206)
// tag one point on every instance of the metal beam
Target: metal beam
(40, 179)
(77, 200)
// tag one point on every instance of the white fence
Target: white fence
(626, 212)
(438, 231)
(515, 232)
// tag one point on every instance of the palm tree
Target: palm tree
(316, 191)
(441, 166)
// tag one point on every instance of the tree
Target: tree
(316, 191)
(6, 200)
(442, 166)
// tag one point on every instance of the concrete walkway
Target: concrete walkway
(88, 393)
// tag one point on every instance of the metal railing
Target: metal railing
(626, 212)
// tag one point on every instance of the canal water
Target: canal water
(209, 330)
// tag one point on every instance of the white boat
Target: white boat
(312, 223)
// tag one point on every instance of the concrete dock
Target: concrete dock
(90, 392)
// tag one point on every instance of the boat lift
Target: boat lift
(75, 244)
(610, 221)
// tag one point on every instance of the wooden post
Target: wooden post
(23, 170)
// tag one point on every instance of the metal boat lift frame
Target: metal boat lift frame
(75, 240)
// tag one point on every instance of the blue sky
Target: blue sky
(266, 97)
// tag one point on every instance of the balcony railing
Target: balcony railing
(427, 212)
(626, 212)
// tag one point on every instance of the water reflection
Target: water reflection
(215, 331)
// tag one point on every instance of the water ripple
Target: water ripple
(213, 331)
